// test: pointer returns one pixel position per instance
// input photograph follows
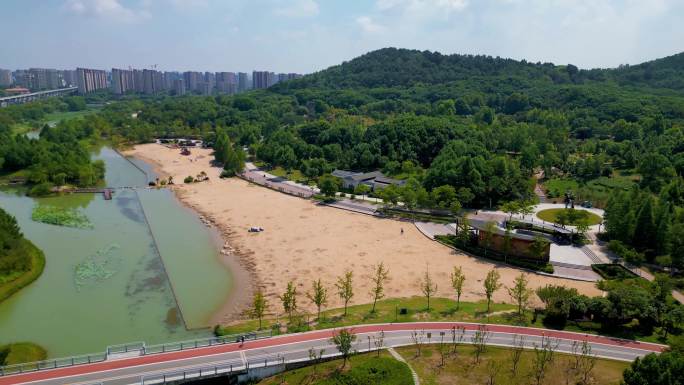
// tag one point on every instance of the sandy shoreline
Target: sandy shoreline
(303, 241)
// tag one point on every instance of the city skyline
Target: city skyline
(305, 36)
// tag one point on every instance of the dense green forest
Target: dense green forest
(464, 131)
(61, 154)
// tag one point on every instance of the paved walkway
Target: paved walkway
(398, 357)
(235, 358)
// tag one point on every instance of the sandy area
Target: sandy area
(303, 241)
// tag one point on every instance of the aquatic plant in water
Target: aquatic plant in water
(104, 264)
(59, 216)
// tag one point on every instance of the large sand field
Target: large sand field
(303, 241)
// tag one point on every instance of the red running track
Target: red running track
(311, 336)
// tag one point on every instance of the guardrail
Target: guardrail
(225, 368)
(52, 364)
(201, 343)
(125, 348)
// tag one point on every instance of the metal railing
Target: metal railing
(136, 346)
(52, 364)
(126, 348)
(205, 342)
(225, 368)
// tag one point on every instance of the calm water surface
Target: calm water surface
(146, 270)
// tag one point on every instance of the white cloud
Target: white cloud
(109, 9)
(422, 5)
(368, 25)
(298, 8)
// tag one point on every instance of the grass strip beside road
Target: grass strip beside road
(361, 369)
(441, 309)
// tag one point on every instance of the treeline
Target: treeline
(61, 154)
(652, 227)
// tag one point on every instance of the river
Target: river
(154, 269)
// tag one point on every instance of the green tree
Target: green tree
(362, 189)
(655, 369)
(457, 281)
(491, 285)
(510, 208)
(345, 288)
(289, 300)
(428, 287)
(379, 277)
(645, 226)
(234, 160)
(259, 306)
(329, 185)
(520, 293)
(343, 339)
(318, 295)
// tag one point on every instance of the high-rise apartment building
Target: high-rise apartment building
(242, 81)
(90, 80)
(153, 82)
(22, 79)
(226, 82)
(54, 79)
(179, 87)
(37, 79)
(5, 78)
(69, 77)
(123, 81)
(192, 80)
(262, 79)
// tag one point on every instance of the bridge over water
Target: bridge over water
(262, 354)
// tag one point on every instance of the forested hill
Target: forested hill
(667, 72)
(392, 67)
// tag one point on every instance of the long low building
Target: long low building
(376, 180)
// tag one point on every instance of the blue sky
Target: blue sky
(309, 35)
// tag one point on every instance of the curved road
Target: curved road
(289, 348)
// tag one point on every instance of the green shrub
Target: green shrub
(189, 179)
(41, 189)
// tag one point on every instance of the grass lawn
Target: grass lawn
(442, 309)
(460, 368)
(551, 215)
(361, 369)
(389, 310)
(21, 352)
(295, 175)
(555, 188)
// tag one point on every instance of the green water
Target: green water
(141, 296)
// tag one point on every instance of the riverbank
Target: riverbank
(37, 267)
(303, 241)
(21, 352)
